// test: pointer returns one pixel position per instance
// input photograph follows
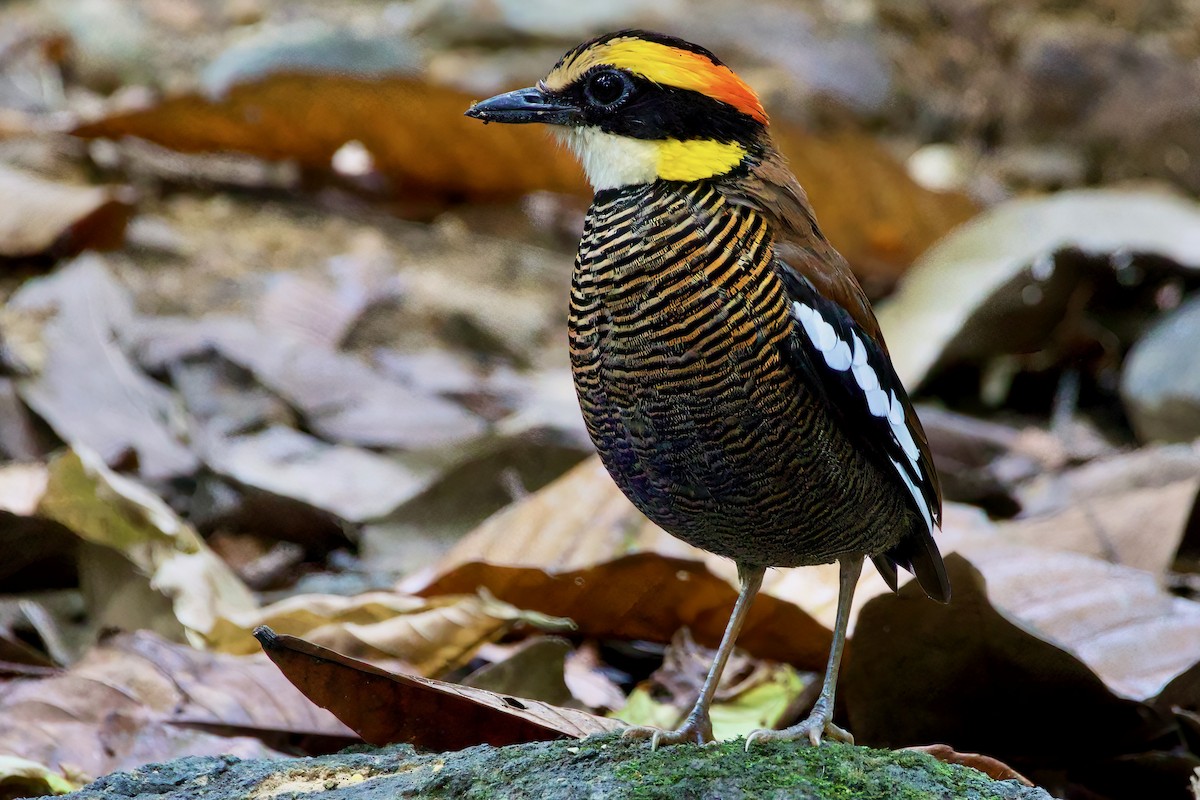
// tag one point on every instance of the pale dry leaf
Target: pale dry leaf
(967, 296)
(22, 487)
(1140, 528)
(64, 329)
(430, 635)
(38, 216)
(165, 555)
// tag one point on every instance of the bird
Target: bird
(730, 370)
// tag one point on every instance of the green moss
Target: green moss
(607, 766)
(612, 767)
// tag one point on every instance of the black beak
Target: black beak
(524, 105)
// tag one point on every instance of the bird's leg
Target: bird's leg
(819, 723)
(698, 727)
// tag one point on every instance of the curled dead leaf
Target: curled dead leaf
(383, 707)
(992, 767)
(309, 116)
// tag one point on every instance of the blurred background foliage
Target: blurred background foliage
(282, 342)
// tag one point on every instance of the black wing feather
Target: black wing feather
(912, 469)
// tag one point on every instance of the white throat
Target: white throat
(611, 161)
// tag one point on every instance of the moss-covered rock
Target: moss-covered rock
(600, 767)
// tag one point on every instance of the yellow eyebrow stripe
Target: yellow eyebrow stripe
(667, 66)
(697, 159)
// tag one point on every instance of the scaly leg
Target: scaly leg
(819, 723)
(698, 727)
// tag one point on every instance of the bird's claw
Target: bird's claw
(814, 729)
(694, 731)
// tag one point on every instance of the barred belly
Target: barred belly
(679, 333)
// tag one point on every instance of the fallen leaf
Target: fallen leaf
(994, 285)
(993, 768)
(589, 681)
(354, 483)
(535, 670)
(1140, 528)
(41, 217)
(308, 116)
(63, 329)
(341, 398)
(155, 561)
(134, 699)
(383, 707)
(432, 636)
(20, 777)
(1008, 654)
(753, 694)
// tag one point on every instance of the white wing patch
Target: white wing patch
(841, 355)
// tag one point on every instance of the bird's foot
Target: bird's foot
(696, 729)
(812, 730)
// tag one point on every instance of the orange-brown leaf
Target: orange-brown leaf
(384, 707)
(415, 132)
(994, 768)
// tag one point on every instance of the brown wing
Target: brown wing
(847, 353)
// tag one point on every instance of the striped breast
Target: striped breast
(681, 334)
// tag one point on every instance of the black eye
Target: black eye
(607, 88)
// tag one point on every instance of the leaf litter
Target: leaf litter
(316, 357)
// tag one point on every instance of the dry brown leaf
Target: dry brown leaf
(42, 217)
(415, 132)
(383, 707)
(64, 330)
(137, 698)
(430, 635)
(1140, 528)
(993, 768)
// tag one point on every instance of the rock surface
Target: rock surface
(606, 766)
(1161, 381)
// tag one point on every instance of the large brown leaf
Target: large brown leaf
(415, 132)
(384, 707)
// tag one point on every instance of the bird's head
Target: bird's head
(638, 107)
